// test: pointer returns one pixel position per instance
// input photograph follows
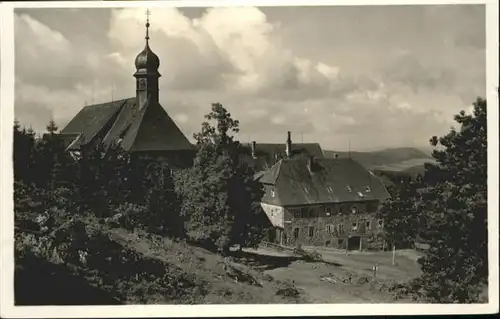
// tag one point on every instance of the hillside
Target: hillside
(142, 268)
(392, 159)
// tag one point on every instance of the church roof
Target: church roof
(92, 118)
(147, 128)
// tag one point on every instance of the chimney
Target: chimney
(253, 149)
(310, 163)
(289, 144)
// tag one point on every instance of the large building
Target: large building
(323, 202)
(139, 124)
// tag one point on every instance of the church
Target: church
(139, 124)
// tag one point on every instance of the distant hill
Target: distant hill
(406, 159)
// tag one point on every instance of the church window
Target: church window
(142, 84)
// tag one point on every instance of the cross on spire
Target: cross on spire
(147, 23)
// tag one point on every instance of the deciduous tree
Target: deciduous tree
(456, 266)
(220, 194)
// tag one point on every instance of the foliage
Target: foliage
(24, 154)
(85, 246)
(401, 213)
(104, 179)
(128, 216)
(162, 201)
(66, 206)
(220, 196)
(456, 265)
(97, 180)
(447, 208)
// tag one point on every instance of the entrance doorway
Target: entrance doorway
(353, 242)
(272, 235)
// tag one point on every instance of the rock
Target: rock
(362, 280)
(268, 277)
(288, 292)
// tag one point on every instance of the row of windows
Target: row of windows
(337, 229)
(296, 232)
(332, 228)
(306, 212)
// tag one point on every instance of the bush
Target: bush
(128, 216)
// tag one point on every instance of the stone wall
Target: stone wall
(333, 225)
(274, 213)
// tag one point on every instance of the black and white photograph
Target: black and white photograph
(191, 154)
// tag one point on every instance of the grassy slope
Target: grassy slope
(275, 271)
(198, 276)
(208, 268)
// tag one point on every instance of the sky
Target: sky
(364, 77)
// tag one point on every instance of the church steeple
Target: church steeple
(147, 75)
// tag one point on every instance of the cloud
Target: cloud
(329, 81)
(234, 49)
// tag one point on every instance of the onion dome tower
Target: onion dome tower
(147, 75)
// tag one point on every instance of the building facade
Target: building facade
(139, 124)
(323, 202)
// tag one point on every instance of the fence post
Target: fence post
(393, 254)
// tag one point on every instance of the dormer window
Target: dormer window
(361, 194)
(368, 189)
(328, 211)
(348, 188)
(329, 189)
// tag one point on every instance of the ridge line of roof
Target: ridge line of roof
(279, 171)
(108, 102)
(138, 117)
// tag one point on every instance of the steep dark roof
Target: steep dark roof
(91, 120)
(122, 123)
(146, 128)
(331, 181)
(154, 130)
(265, 153)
